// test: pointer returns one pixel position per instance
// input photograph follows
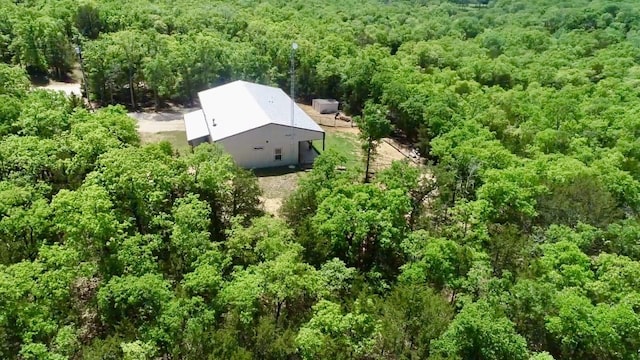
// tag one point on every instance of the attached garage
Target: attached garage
(196, 127)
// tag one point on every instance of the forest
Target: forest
(518, 238)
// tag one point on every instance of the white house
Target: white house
(254, 124)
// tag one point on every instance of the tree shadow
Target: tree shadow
(38, 78)
(278, 171)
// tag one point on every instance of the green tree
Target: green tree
(277, 287)
(581, 329)
(41, 328)
(137, 350)
(264, 239)
(480, 332)
(93, 134)
(87, 20)
(40, 44)
(84, 220)
(190, 236)
(413, 315)
(47, 114)
(438, 262)
(373, 126)
(133, 300)
(25, 223)
(303, 202)
(331, 332)
(229, 190)
(13, 81)
(417, 182)
(139, 182)
(364, 225)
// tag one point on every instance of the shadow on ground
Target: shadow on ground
(279, 171)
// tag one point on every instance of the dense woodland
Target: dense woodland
(519, 239)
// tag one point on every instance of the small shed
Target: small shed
(325, 106)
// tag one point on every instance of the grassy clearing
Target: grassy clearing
(178, 139)
(346, 144)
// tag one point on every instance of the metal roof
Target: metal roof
(240, 106)
(195, 125)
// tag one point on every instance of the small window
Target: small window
(258, 148)
(278, 153)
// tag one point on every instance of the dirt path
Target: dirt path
(391, 150)
(276, 185)
(271, 206)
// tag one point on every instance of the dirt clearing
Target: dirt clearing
(325, 120)
(388, 150)
(161, 121)
(67, 88)
(276, 185)
(341, 136)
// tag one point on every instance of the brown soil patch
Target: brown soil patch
(271, 206)
(276, 184)
(389, 150)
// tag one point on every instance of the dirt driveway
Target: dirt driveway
(150, 122)
(161, 121)
(71, 88)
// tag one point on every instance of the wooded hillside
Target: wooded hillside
(519, 239)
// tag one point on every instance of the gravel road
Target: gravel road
(67, 88)
(161, 121)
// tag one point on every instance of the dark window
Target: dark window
(278, 154)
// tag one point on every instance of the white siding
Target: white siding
(256, 148)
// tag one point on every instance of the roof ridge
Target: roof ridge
(256, 100)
